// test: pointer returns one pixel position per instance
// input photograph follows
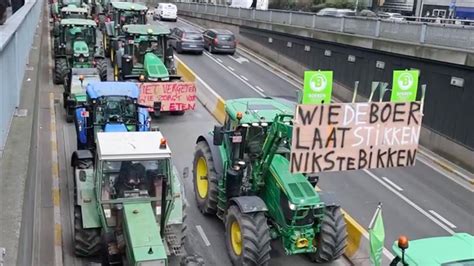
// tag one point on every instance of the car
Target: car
(186, 40)
(334, 12)
(396, 17)
(219, 41)
(166, 11)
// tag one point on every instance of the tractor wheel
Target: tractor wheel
(69, 114)
(60, 70)
(192, 260)
(87, 242)
(331, 241)
(205, 179)
(247, 237)
(102, 68)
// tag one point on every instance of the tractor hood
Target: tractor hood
(143, 234)
(80, 47)
(155, 68)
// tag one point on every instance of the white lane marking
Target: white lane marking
(260, 89)
(442, 219)
(218, 59)
(203, 235)
(242, 76)
(235, 75)
(239, 59)
(454, 179)
(231, 68)
(397, 187)
(411, 203)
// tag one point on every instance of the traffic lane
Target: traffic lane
(359, 195)
(66, 135)
(222, 81)
(451, 203)
(269, 83)
(181, 133)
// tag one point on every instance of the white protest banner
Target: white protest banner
(351, 136)
(174, 96)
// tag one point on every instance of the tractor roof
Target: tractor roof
(439, 250)
(98, 89)
(78, 22)
(131, 146)
(137, 29)
(73, 8)
(129, 6)
(257, 109)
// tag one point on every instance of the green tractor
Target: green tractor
(241, 174)
(144, 54)
(123, 13)
(70, 11)
(57, 7)
(75, 47)
(455, 250)
(129, 200)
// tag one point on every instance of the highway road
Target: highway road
(418, 201)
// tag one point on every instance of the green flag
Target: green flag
(317, 87)
(377, 237)
(405, 85)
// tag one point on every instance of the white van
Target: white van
(166, 11)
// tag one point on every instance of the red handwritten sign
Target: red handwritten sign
(174, 96)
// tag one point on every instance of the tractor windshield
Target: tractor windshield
(115, 109)
(78, 33)
(70, 14)
(131, 17)
(133, 179)
(139, 48)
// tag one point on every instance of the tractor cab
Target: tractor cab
(75, 47)
(134, 197)
(145, 55)
(58, 6)
(110, 107)
(72, 11)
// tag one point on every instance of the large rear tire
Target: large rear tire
(102, 68)
(205, 179)
(87, 242)
(331, 241)
(60, 70)
(247, 237)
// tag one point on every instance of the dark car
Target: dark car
(186, 40)
(219, 41)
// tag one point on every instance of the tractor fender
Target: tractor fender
(216, 155)
(329, 198)
(56, 57)
(81, 155)
(249, 204)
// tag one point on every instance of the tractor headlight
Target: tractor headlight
(291, 206)
(152, 79)
(76, 54)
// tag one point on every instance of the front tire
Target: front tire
(87, 242)
(205, 179)
(60, 70)
(102, 68)
(247, 237)
(332, 239)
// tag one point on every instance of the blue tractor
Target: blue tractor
(110, 107)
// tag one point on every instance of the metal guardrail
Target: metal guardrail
(454, 36)
(16, 38)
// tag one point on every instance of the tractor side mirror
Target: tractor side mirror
(218, 135)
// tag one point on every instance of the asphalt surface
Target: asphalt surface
(417, 201)
(408, 196)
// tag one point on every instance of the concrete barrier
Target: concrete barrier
(358, 247)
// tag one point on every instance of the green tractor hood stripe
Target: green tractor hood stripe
(154, 67)
(142, 232)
